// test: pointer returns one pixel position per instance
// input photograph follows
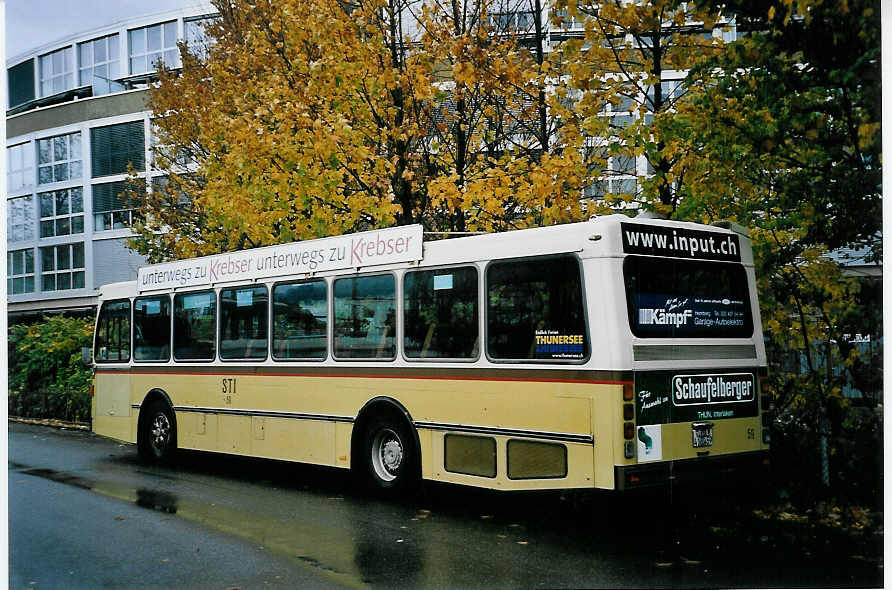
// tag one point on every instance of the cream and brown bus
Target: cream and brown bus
(614, 353)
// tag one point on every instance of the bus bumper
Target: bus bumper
(719, 470)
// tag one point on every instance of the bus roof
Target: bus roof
(608, 236)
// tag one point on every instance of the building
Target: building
(76, 119)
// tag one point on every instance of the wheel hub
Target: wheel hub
(160, 431)
(387, 454)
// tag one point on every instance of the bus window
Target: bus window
(194, 326)
(669, 298)
(365, 317)
(440, 313)
(151, 328)
(535, 310)
(113, 333)
(300, 320)
(243, 317)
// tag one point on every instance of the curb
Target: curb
(52, 423)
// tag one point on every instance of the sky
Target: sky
(31, 23)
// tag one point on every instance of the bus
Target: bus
(616, 353)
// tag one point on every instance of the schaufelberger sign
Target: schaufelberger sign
(713, 389)
(372, 248)
(656, 240)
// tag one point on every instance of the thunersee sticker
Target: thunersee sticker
(655, 240)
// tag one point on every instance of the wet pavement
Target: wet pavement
(86, 513)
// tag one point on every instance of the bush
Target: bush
(855, 447)
(46, 376)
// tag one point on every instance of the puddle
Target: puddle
(151, 499)
(60, 477)
(155, 500)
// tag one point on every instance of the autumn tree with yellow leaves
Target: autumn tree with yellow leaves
(628, 66)
(372, 113)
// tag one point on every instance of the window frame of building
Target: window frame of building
(56, 66)
(195, 35)
(109, 217)
(110, 64)
(21, 215)
(73, 272)
(22, 277)
(113, 147)
(20, 79)
(62, 163)
(138, 42)
(20, 165)
(62, 214)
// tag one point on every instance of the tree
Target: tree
(792, 150)
(277, 131)
(294, 128)
(629, 64)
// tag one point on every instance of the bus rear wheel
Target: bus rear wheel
(389, 455)
(157, 439)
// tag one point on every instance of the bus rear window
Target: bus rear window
(670, 298)
(535, 310)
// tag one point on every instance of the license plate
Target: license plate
(701, 434)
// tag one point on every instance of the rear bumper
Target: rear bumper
(724, 469)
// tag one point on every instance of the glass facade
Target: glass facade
(57, 71)
(150, 44)
(99, 58)
(59, 158)
(68, 212)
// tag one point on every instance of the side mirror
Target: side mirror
(87, 356)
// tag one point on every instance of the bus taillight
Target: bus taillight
(628, 392)
(628, 431)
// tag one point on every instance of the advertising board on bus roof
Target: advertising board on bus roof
(371, 248)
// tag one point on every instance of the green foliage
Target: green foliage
(791, 149)
(46, 376)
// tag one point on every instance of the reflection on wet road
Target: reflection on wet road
(445, 537)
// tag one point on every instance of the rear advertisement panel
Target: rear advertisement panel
(677, 242)
(665, 397)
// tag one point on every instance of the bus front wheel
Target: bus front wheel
(390, 457)
(157, 439)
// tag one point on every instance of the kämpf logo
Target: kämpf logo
(673, 313)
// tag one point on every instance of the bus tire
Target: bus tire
(157, 437)
(390, 459)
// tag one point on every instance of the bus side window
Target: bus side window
(243, 317)
(365, 317)
(535, 310)
(113, 333)
(194, 326)
(151, 328)
(300, 320)
(440, 313)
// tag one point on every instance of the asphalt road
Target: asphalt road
(86, 513)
